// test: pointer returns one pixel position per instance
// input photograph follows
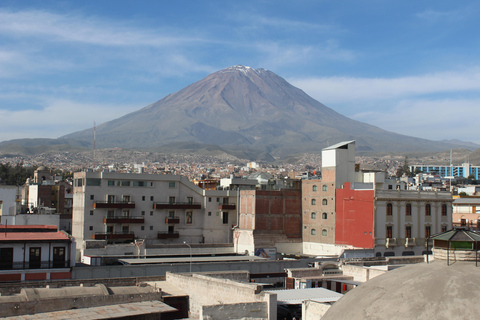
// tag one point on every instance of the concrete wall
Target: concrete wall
(361, 273)
(257, 310)
(208, 291)
(312, 310)
(325, 249)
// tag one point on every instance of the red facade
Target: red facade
(355, 217)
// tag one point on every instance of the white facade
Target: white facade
(399, 229)
(122, 207)
(341, 158)
(8, 204)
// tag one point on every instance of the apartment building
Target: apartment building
(124, 207)
(355, 209)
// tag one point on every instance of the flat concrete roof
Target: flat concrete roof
(296, 296)
(193, 259)
(105, 312)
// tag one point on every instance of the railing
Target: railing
(114, 236)
(33, 265)
(114, 205)
(227, 206)
(123, 219)
(409, 242)
(172, 220)
(177, 205)
(390, 242)
(168, 235)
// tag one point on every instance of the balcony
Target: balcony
(171, 220)
(177, 205)
(409, 242)
(114, 205)
(390, 242)
(123, 219)
(114, 236)
(226, 206)
(168, 235)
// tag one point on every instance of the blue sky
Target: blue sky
(412, 67)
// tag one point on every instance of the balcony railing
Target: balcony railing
(8, 265)
(227, 206)
(172, 220)
(168, 235)
(114, 236)
(409, 242)
(390, 242)
(114, 205)
(122, 219)
(177, 205)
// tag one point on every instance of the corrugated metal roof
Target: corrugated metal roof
(296, 296)
(188, 259)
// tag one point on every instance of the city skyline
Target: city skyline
(410, 68)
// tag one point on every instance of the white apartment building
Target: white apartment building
(123, 207)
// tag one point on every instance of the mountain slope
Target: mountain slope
(241, 107)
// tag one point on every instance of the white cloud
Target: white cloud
(347, 89)
(57, 118)
(89, 30)
(428, 118)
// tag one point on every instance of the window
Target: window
(139, 184)
(324, 202)
(78, 182)
(92, 197)
(151, 198)
(151, 227)
(209, 213)
(110, 214)
(324, 216)
(143, 198)
(35, 258)
(143, 213)
(126, 213)
(444, 209)
(123, 183)
(389, 209)
(126, 199)
(427, 231)
(125, 229)
(151, 213)
(218, 199)
(314, 188)
(59, 257)
(171, 200)
(428, 209)
(313, 215)
(408, 209)
(324, 187)
(91, 212)
(314, 202)
(188, 217)
(171, 184)
(408, 232)
(390, 187)
(210, 199)
(389, 232)
(110, 198)
(444, 228)
(109, 229)
(93, 182)
(324, 232)
(190, 200)
(90, 228)
(225, 217)
(6, 258)
(142, 228)
(225, 200)
(171, 214)
(111, 183)
(313, 232)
